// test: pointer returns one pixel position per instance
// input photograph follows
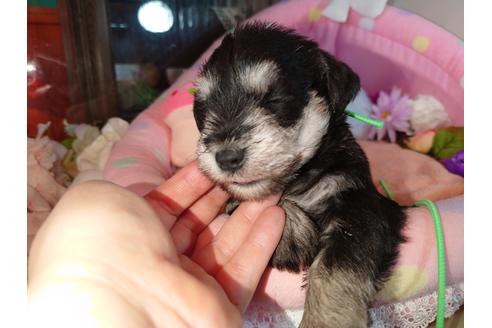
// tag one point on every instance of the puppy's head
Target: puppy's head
(264, 102)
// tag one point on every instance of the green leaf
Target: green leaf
(447, 142)
(68, 142)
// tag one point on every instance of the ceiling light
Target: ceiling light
(155, 16)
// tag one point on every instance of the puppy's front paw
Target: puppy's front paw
(290, 256)
(337, 297)
(299, 243)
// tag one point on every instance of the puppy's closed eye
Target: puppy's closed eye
(273, 100)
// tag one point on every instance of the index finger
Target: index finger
(232, 234)
(240, 276)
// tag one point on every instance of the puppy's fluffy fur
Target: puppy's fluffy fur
(274, 102)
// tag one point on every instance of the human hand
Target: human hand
(104, 258)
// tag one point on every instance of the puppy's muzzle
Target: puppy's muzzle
(230, 159)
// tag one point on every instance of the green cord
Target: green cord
(386, 189)
(441, 261)
(367, 120)
(441, 256)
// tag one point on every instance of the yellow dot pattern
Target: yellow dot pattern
(314, 14)
(405, 282)
(421, 43)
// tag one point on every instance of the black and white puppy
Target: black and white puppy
(270, 109)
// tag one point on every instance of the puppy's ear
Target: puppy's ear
(224, 53)
(336, 81)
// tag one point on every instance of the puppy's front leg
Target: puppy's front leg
(299, 243)
(340, 289)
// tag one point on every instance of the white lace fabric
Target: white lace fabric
(414, 313)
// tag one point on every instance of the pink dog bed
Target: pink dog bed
(396, 48)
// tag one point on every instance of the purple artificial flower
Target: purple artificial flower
(394, 110)
(456, 164)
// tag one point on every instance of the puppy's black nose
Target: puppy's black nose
(230, 159)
